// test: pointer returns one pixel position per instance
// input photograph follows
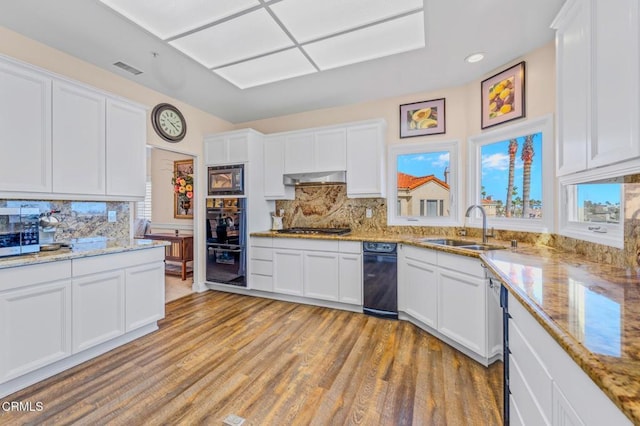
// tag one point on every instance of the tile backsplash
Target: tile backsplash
(82, 219)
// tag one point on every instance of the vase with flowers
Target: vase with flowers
(183, 189)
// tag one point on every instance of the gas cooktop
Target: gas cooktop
(316, 231)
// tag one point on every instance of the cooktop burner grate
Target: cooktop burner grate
(316, 231)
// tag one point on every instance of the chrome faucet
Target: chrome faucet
(484, 221)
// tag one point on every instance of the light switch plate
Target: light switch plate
(369, 213)
(111, 215)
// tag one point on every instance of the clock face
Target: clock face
(169, 123)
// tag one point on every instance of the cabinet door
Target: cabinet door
(78, 140)
(365, 161)
(615, 78)
(25, 118)
(144, 295)
(287, 271)
(331, 150)
(573, 77)
(274, 169)
(563, 412)
(35, 326)
(98, 309)
(238, 149)
(462, 309)
(215, 151)
(126, 158)
(418, 290)
(299, 153)
(351, 278)
(321, 275)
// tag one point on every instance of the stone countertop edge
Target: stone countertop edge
(117, 246)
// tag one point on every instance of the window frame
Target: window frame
(542, 125)
(614, 237)
(455, 192)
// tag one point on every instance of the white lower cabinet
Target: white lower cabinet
(546, 386)
(35, 324)
(418, 284)
(350, 267)
(98, 308)
(317, 269)
(287, 271)
(321, 275)
(54, 311)
(144, 295)
(462, 308)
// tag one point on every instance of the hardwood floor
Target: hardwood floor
(273, 363)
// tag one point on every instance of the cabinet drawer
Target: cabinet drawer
(262, 267)
(261, 253)
(22, 276)
(261, 282)
(306, 244)
(261, 242)
(350, 246)
(537, 377)
(108, 262)
(464, 264)
(424, 255)
(521, 394)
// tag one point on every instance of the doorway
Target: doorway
(168, 212)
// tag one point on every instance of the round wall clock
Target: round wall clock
(168, 122)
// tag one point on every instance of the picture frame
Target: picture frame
(503, 96)
(182, 208)
(423, 118)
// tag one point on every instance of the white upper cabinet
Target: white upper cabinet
(598, 86)
(320, 150)
(274, 188)
(366, 160)
(25, 117)
(357, 148)
(126, 136)
(79, 140)
(230, 148)
(68, 138)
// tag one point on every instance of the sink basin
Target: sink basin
(481, 247)
(469, 245)
(448, 242)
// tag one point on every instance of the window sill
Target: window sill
(612, 238)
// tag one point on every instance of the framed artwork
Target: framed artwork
(422, 118)
(182, 182)
(503, 96)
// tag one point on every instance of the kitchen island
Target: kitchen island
(591, 310)
(64, 307)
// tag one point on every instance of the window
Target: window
(593, 210)
(423, 181)
(512, 175)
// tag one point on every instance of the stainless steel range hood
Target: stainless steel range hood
(315, 178)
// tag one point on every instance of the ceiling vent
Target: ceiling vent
(128, 68)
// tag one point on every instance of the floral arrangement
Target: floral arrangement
(183, 186)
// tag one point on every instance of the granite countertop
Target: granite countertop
(592, 310)
(80, 248)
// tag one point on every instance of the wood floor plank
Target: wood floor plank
(272, 363)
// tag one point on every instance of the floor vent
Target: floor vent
(128, 68)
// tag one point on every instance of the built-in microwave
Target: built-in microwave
(19, 230)
(226, 180)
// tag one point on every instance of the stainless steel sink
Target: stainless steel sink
(447, 242)
(469, 245)
(482, 247)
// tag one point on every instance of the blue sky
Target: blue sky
(599, 193)
(495, 169)
(424, 164)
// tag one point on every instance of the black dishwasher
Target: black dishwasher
(380, 279)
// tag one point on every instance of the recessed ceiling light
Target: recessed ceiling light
(475, 57)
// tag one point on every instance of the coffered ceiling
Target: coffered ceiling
(243, 60)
